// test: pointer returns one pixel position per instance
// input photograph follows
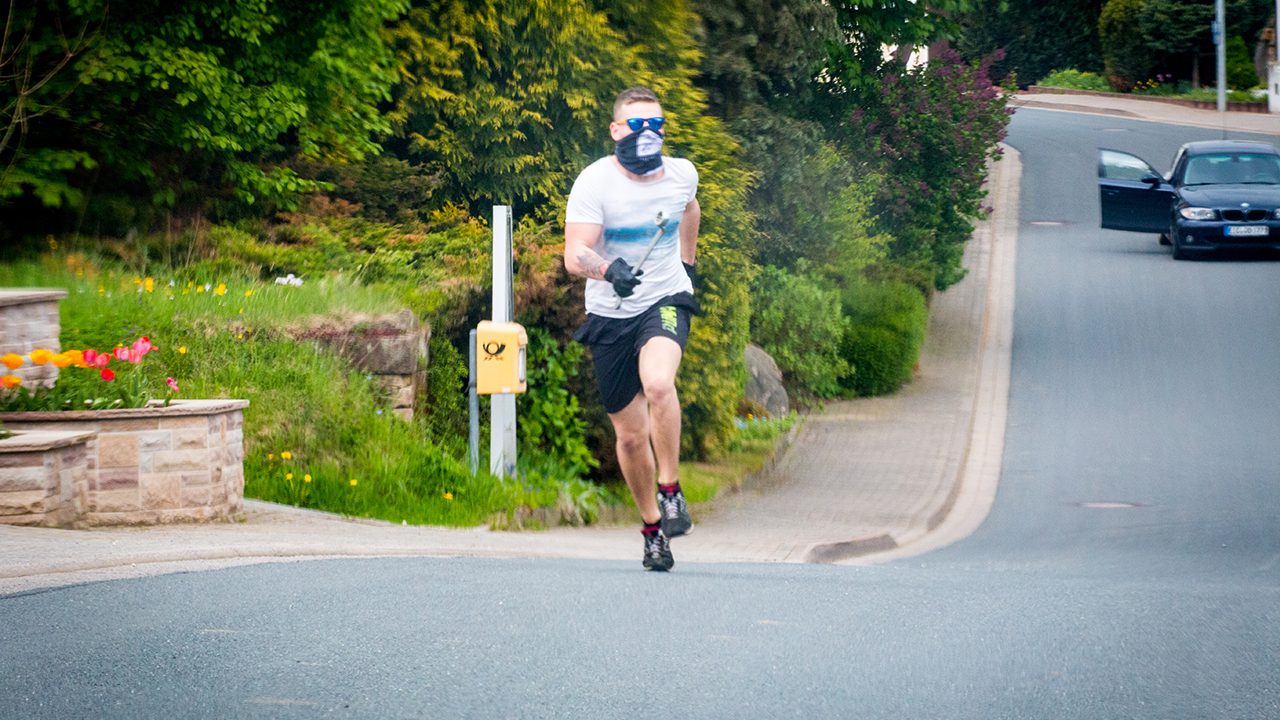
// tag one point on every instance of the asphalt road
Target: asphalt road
(1130, 567)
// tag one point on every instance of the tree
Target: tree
(505, 98)
(177, 103)
(1036, 37)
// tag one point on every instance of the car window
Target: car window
(1225, 168)
(1116, 165)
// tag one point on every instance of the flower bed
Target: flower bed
(155, 464)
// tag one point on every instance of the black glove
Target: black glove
(692, 272)
(624, 281)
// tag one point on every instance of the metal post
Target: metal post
(502, 408)
(1220, 39)
(473, 410)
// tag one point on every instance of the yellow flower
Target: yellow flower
(182, 349)
(220, 290)
(102, 290)
(40, 356)
(10, 382)
(286, 455)
(248, 293)
(306, 478)
(354, 482)
(13, 361)
(137, 281)
(62, 360)
(288, 476)
(448, 496)
(149, 284)
(76, 357)
(271, 457)
(199, 289)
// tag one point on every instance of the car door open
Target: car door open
(1133, 195)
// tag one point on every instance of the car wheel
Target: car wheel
(1164, 239)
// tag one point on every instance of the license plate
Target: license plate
(1247, 230)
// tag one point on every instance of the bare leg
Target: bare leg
(635, 456)
(659, 361)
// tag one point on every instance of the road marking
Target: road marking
(1111, 505)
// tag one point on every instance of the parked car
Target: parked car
(1219, 195)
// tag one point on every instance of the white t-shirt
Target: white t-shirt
(628, 211)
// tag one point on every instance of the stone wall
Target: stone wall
(391, 348)
(155, 465)
(29, 320)
(44, 478)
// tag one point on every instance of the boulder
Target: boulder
(764, 383)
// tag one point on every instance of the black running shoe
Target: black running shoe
(675, 514)
(657, 552)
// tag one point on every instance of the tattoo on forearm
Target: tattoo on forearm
(591, 264)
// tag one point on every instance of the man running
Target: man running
(631, 229)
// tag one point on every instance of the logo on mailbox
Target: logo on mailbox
(493, 350)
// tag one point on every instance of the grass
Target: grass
(222, 338)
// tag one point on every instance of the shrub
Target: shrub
(799, 323)
(1075, 80)
(1241, 73)
(935, 127)
(1125, 53)
(886, 328)
(550, 422)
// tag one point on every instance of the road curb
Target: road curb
(973, 491)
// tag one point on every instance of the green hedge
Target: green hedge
(887, 323)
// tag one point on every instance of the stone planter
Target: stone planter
(44, 478)
(152, 465)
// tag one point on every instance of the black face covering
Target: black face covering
(640, 152)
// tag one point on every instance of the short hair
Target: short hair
(633, 95)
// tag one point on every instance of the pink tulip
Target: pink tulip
(101, 360)
(90, 356)
(143, 346)
(173, 384)
(121, 353)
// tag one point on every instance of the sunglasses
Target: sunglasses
(655, 123)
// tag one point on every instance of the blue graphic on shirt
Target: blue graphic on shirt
(629, 243)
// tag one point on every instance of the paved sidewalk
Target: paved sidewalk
(865, 480)
(1150, 109)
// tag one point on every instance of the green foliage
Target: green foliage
(1124, 50)
(799, 322)
(1075, 80)
(502, 97)
(550, 421)
(170, 102)
(1241, 74)
(1035, 36)
(886, 329)
(936, 127)
(444, 407)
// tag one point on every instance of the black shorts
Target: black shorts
(615, 345)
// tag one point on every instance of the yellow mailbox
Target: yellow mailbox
(500, 358)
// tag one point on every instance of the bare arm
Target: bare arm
(580, 257)
(689, 223)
